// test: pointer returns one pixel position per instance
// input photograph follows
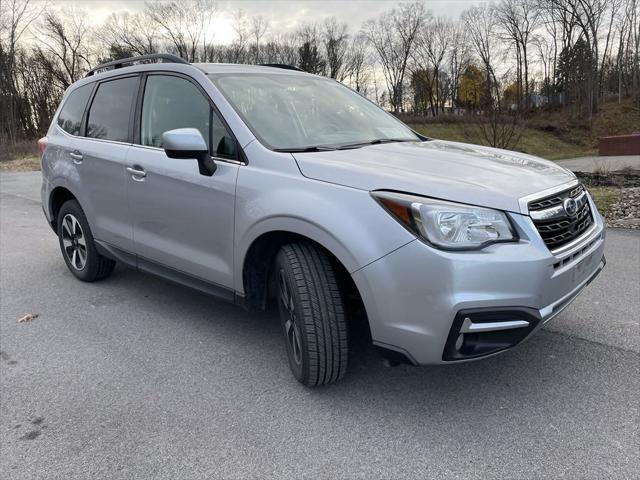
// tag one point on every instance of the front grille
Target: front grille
(556, 199)
(562, 228)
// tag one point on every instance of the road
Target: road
(605, 163)
(135, 377)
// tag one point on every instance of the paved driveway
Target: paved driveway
(137, 378)
(607, 164)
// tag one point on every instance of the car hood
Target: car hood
(459, 172)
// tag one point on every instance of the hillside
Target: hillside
(552, 134)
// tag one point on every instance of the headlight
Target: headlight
(447, 225)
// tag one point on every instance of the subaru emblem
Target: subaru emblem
(570, 207)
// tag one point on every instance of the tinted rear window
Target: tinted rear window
(70, 116)
(109, 113)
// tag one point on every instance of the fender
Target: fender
(337, 217)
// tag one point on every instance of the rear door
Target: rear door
(100, 159)
(182, 219)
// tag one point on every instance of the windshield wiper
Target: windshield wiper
(377, 141)
(314, 148)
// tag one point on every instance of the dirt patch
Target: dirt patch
(622, 179)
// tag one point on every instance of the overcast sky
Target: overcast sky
(283, 15)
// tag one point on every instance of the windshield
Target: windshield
(297, 112)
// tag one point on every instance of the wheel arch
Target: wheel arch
(59, 195)
(259, 258)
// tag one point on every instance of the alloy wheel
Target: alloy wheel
(292, 330)
(73, 241)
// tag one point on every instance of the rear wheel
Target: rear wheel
(78, 247)
(312, 315)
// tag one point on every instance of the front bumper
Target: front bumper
(418, 297)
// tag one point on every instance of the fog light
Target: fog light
(460, 341)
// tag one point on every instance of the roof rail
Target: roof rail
(163, 57)
(284, 66)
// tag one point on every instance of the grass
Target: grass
(552, 133)
(605, 197)
(533, 141)
(18, 149)
(24, 164)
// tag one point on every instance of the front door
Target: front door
(181, 219)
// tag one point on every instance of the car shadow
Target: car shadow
(549, 367)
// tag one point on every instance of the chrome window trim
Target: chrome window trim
(103, 140)
(64, 132)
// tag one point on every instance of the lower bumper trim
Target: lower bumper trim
(485, 331)
(469, 327)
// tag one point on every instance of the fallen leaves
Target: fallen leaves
(28, 317)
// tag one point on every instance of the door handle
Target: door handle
(137, 172)
(76, 157)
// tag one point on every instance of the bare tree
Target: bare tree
(335, 39)
(309, 53)
(614, 9)
(633, 14)
(183, 24)
(495, 128)
(64, 45)
(458, 60)
(129, 34)
(282, 49)
(480, 24)
(358, 65)
(392, 37)
(587, 16)
(15, 18)
(238, 48)
(259, 27)
(431, 46)
(519, 19)
(578, 50)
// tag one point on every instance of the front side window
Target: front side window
(70, 117)
(169, 103)
(291, 111)
(110, 110)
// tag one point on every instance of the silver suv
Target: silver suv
(263, 185)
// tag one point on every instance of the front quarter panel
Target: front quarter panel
(272, 195)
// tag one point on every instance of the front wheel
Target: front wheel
(312, 314)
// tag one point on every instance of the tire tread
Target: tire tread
(323, 313)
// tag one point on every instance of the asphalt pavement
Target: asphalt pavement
(603, 164)
(135, 377)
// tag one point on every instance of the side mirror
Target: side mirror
(187, 143)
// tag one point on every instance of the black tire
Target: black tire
(315, 314)
(79, 239)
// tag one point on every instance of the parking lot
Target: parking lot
(135, 377)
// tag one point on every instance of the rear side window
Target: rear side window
(70, 117)
(108, 117)
(169, 103)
